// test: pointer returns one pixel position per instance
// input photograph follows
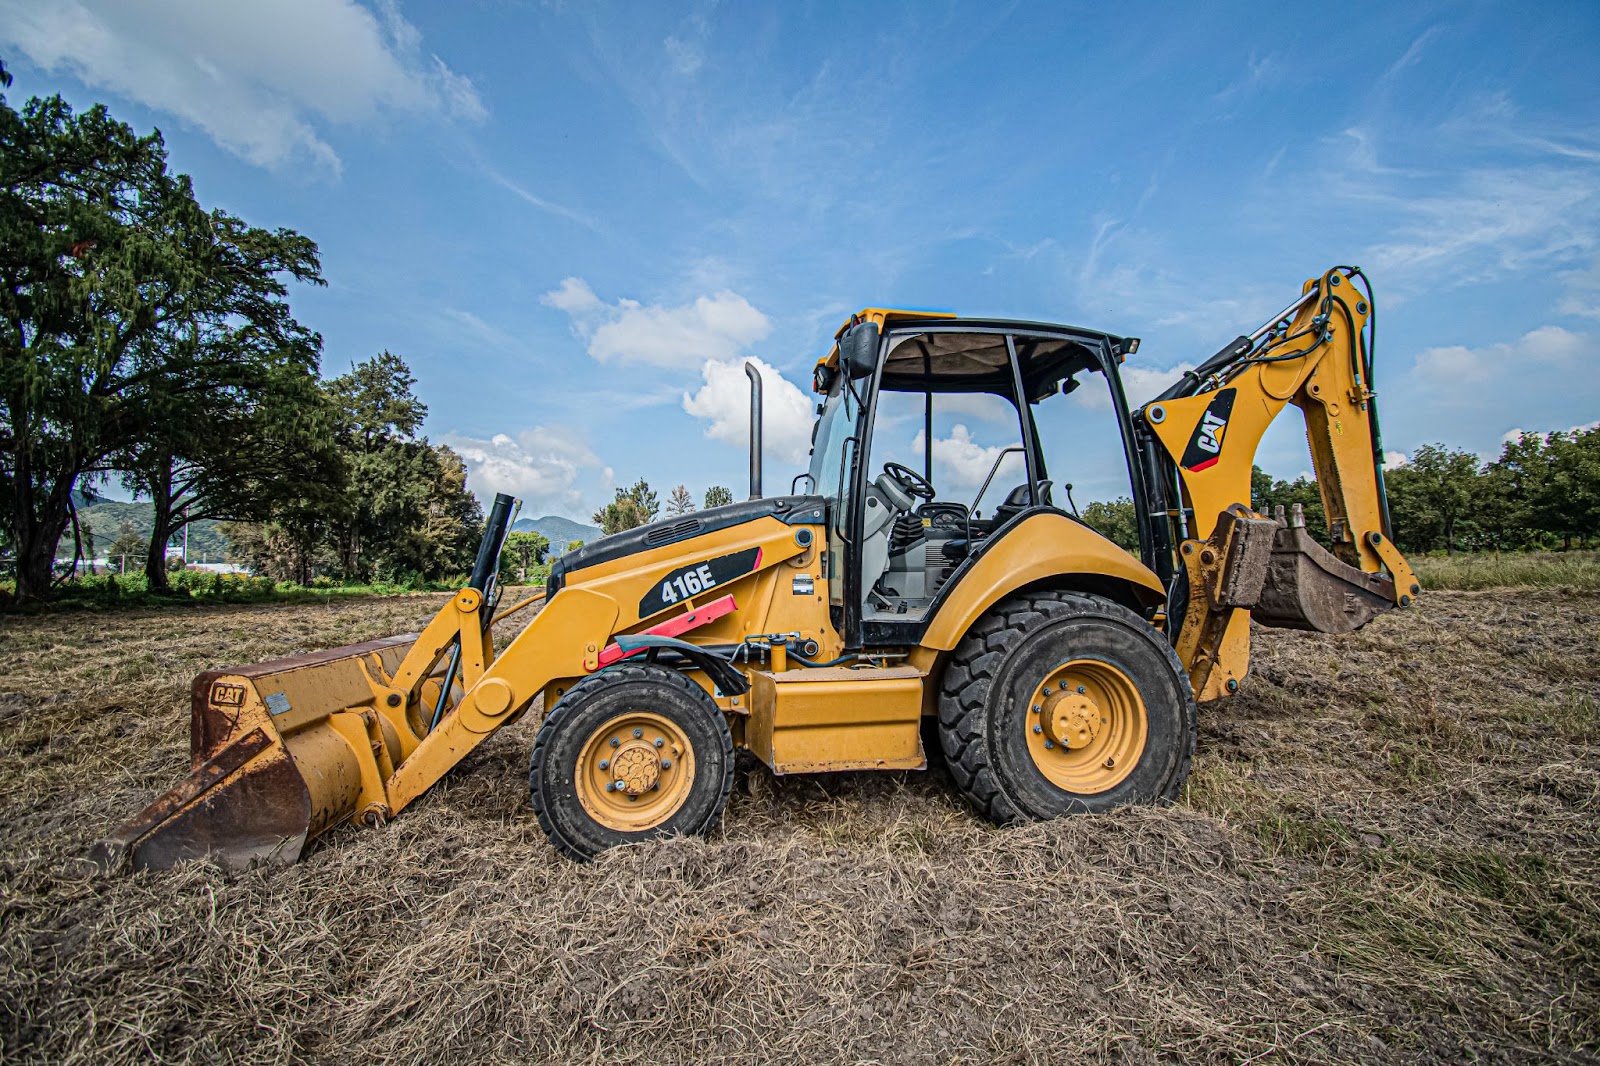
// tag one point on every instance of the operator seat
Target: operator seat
(885, 502)
(1016, 502)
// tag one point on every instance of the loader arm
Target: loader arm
(282, 751)
(1234, 564)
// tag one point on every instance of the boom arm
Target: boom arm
(1317, 355)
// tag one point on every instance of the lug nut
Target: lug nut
(1038, 728)
(615, 742)
(632, 799)
(666, 764)
(1081, 690)
(659, 742)
(1063, 686)
(605, 764)
(1049, 743)
(611, 786)
(1036, 708)
(638, 733)
(621, 785)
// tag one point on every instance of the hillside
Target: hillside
(105, 517)
(559, 530)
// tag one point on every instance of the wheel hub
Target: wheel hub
(1072, 720)
(634, 771)
(637, 769)
(1086, 726)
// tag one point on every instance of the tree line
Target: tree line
(149, 341)
(1543, 491)
(638, 505)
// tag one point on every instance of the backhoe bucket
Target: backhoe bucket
(274, 762)
(1308, 588)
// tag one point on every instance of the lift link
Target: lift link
(1226, 573)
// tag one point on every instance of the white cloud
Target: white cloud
(1472, 396)
(1391, 460)
(573, 296)
(724, 402)
(716, 327)
(1460, 374)
(258, 78)
(961, 463)
(526, 195)
(1140, 384)
(1516, 434)
(1582, 297)
(540, 466)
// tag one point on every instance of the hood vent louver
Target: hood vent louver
(666, 534)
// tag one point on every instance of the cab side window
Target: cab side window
(1080, 442)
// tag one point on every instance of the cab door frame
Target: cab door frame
(856, 633)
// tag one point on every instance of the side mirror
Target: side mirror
(858, 350)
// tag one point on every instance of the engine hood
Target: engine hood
(794, 510)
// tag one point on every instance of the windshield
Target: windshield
(835, 425)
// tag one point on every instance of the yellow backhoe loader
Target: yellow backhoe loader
(818, 630)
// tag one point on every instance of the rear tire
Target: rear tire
(633, 753)
(1063, 702)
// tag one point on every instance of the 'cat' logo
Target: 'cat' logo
(1205, 446)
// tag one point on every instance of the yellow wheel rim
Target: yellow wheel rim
(635, 772)
(1086, 726)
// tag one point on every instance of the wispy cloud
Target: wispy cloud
(548, 206)
(1413, 53)
(264, 81)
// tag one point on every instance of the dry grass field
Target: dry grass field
(1389, 852)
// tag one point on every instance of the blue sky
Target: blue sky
(576, 220)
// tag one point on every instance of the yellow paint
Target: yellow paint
(649, 776)
(1317, 381)
(356, 725)
(1086, 726)
(879, 315)
(836, 718)
(1319, 376)
(1045, 547)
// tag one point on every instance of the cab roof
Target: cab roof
(945, 360)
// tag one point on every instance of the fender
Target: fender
(720, 670)
(1040, 547)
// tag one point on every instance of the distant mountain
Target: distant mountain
(557, 530)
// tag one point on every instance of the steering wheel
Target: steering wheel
(908, 479)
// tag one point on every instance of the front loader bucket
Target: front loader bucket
(273, 762)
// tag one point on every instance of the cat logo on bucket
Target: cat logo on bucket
(1205, 446)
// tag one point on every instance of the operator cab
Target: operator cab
(935, 435)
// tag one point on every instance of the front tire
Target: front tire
(633, 753)
(1060, 703)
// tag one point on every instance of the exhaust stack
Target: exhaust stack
(755, 429)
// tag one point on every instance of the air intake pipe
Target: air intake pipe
(755, 429)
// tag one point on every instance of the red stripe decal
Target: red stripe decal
(675, 626)
(1208, 463)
